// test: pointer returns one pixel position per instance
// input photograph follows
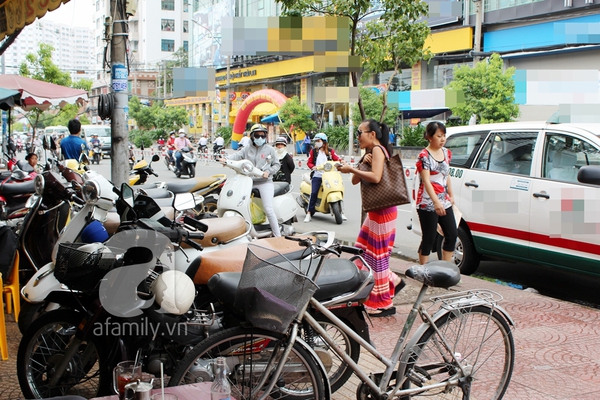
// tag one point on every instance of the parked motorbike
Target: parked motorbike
(165, 327)
(188, 163)
(331, 194)
(141, 170)
(15, 189)
(240, 198)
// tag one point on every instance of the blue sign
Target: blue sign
(119, 78)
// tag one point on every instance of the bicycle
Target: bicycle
(464, 349)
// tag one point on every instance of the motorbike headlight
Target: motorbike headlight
(327, 167)
(39, 184)
(247, 167)
(89, 190)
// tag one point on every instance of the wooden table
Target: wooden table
(194, 391)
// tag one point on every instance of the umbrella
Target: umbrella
(274, 118)
(42, 95)
(9, 98)
(264, 109)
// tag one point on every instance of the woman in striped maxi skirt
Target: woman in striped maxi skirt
(378, 231)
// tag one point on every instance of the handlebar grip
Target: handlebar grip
(294, 238)
(193, 244)
(77, 199)
(352, 250)
(196, 235)
(154, 173)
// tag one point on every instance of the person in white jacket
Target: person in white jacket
(264, 158)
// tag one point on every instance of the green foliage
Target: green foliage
(337, 136)
(41, 67)
(413, 136)
(225, 132)
(489, 92)
(141, 137)
(85, 84)
(157, 116)
(373, 106)
(296, 114)
(64, 115)
(17, 127)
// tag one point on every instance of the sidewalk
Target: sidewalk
(557, 351)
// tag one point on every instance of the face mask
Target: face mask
(281, 152)
(318, 145)
(259, 142)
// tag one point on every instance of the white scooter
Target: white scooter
(237, 195)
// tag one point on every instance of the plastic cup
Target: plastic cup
(125, 372)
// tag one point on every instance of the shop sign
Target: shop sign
(232, 96)
(245, 95)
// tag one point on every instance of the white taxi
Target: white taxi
(517, 187)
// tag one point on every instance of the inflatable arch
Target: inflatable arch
(261, 96)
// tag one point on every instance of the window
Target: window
(464, 148)
(185, 26)
(186, 5)
(185, 45)
(167, 45)
(167, 25)
(564, 155)
(167, 5)
(510, 152)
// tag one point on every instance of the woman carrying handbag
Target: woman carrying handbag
(378, 230)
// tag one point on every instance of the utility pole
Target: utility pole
(477, 41)
(119, 77)
(228, 101)
(164, 79)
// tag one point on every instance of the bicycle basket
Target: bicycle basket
(272, 290)
(82, 270)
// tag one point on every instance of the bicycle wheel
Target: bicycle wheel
(42, 348)
(247, 352)
(338, 371)
(480, 338)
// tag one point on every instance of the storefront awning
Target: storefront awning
(16, 14)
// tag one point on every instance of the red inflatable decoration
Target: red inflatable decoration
(262, 96)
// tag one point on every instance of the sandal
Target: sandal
(399, 287)
(382, 312)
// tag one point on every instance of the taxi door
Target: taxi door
(495, 193)
(565, 214)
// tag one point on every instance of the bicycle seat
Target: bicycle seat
(442, 274)
(338, 276)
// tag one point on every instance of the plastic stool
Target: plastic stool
(3, 341)
(12, 289)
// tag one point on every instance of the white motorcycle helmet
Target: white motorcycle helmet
(174, 291)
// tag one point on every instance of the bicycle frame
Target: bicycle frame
(454, 302)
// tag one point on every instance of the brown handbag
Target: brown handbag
(391, 189)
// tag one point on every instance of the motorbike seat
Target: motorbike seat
(18, 188)
(338, 276)
(159, 193)
(191, 185)
(231, 259)
(280, 189)
(221, 230)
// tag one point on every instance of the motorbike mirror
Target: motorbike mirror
(127, 194)
(155, 157)
(184, 201)
(83, 159)
(46, 142)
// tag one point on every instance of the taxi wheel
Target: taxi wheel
(465, 257)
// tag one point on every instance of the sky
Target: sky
(73, 13)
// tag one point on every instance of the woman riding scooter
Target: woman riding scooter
(320, 154)
(264, 158)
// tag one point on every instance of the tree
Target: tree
(180, 60)
(489, 92)
(296, 115)
(41, 67)
(373, 105)
(393, 40)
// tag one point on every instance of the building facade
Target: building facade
(71, 48)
